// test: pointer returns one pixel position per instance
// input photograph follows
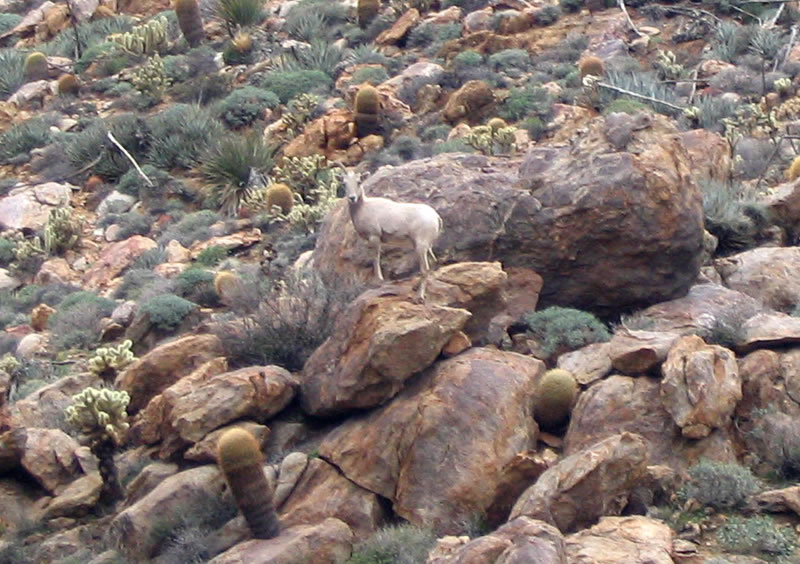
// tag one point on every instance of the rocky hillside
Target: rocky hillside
(197, 363)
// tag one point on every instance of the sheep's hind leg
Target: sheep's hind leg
(424, 268)
(376, 242)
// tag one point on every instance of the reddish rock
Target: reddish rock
(114, 260)
(637, 352)
(709, 155)
(633, 540)
(399, 29)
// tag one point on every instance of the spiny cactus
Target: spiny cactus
(190, 21)
(240, 459)
(492, 138)
(280, 195)
(794, 169)
(101, 416)
(35, 67)
(554, 397)
(144, 39)
(591, 65)
(301, 107)
(68, 85)
(225, 285)
(496, 123)
(151, 78)
(9, 364)
(367, 111)
(366, 11)
(107, 362)
(62, 231)
(239, 50)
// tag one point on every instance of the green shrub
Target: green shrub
(12, 74)
(6, 251)
(197, 285)
(432, 35)
(241, 13)
(627, 106)
(306, 26)
(75, 322)
(452, 146)
(372, 75)
(759, 535)
(719, 485)
(150, 259)
(91, 33)
(733, 215)
(316, 19)
(319, 56)
(17, 142)
(548, 15)
(167, 311)
(133, 184)
(194, 227)
(513, 62)
(228, 165)
(560, 329)
(180, 135)
(211, 256)
(288, 84)
(139, 282)
(244, 105)
(83, 147)
(522, 102)
(201, 89)
(197, 62)
(571, 6)
(130, 223)
(396, 544)
(9, 22)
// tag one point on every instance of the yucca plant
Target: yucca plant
(12, 73)
(240, 13)
(228, 165)
(321, 56)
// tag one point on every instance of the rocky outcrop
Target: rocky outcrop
(328, 542)
(634, 540)
(405, 451)
(701, 386)
(164, 365)
(771, 275)
(587, 485)
(379, 342)
(564, 211)
(29, 208)
(50, 457)
(114, 260)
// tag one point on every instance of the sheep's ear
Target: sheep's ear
(362, 176)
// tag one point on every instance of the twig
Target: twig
(622, 7)
(792, 38)
(775, 18)
(694, 83)
(130, 158)
(640, 96)
(74, 20)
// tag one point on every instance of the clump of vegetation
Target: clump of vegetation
(240, 13)
(151, 78)
(212, 256)
(107, 362)
(166, 312)
(732, 215)
(288, 84)
(758, 535)
(191, 228)
(18, 141)
(228, 168)
(396, 544)
(557, 330)
(526, 101)
(180, 134)
(75, 322)
(555, 395)
(719, 485)
(62, 231)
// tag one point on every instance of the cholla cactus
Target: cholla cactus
(107, 362)
(151, 78)
(667, 66)
(145, 39)
(491, 140)
(301, 108)
(101, 416)
(783, 86)
(27, 252)
(63, 230)
(9, 364)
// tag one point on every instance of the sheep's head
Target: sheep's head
(352, 188)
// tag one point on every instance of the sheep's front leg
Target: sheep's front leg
(376, 243)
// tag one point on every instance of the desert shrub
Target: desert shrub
(626, 105)
(571, 6)
(228, 165)
(513, 62)
(83, 147)
(560, 329)
(288, 84)
(12, 75)
(306, 25)
(452, 146)
(201, 89)
(244, 105)
(240, 13)
(167, 311)
(760, 535)
(316, 19)
(9, 21)
(732, 215)
(197, 62)
(130, 223)
(151, 258)
(395, 544)
(137, 281)
(180, 134)
(75, 322)
(319, 56)
(719, 485)
(367, 55)
(197, 285)
(6, 251)
(17, 141)
(281, 323)
(31, 376)
(133, 184)
(212, 256)
(372, 75)
(91, 33)
(431, 34)
(739, 80)
(193, 227)
(522, 102)
(727, 327)
(547, 15)
(643, 83)
(713, 109)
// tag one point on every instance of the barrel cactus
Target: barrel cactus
(367, 111)
(366, 11)
(101, 417)
(555, 395)
(190, 21)
(35, 67)
(591, 65)
(68, 85)
(240, 459)
(281, 196)
(107, 362)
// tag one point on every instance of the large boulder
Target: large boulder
(29, 207)
(771, 275)
(603, 226)
(633, 540)
(701, 386)
(438, 450)
(379, 342)
(587, 485)
(114, 260)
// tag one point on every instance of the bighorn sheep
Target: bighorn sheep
(381, 220)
